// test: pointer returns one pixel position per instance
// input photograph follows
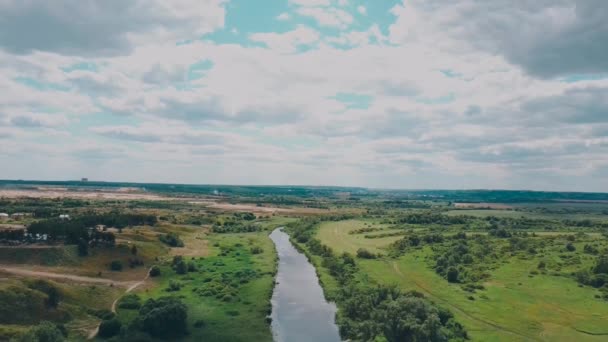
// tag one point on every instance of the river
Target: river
(299, 309)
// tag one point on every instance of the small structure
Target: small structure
(4, 216)
(64, 217)
(17, 216)
(84, 179)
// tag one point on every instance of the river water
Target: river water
(299, 309)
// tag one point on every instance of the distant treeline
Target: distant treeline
(77, 229)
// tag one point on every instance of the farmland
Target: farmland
(523, 268)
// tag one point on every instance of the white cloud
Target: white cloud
(327, 16)
(283, 16)
(362, 10)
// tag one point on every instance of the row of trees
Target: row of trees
(377, 313)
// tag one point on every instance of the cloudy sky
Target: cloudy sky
(504, 94)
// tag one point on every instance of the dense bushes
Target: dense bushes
(130, 301)
(171, 239)
(385, 313)
(365, 254)
(44, 332)
(109, 328)
(163, 318)
(77, 229)
(154, 271)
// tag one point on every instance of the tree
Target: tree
(154, 271)
(163, 318)
(52, 300)
(134, 250)
(83, 247)
(601, 266)
(44, 332)
(452, 275)
(116, 265)
(181, 267)
(570, 247)
(109, 328)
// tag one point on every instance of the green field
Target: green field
(235, 312)
(515, 304)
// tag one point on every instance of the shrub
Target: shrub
(109, 328)
(116, 265)
(365, 254)
(570, 247)
(130, 301)
(256, 250)
(174, 286)
(452, 275)
(163, 318)
(44, 332)
(154, 271)
(191, 267)
(171, 239)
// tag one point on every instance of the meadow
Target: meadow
(516, 301)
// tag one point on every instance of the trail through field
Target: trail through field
(456, 308)
(60, 276)
(94, 332)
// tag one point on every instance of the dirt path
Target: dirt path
(94, 332)
(60, 276)
(455, 308)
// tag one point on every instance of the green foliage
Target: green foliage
(130, 301)
(163, 318)
(256, 250)
(365, 254)
(385, 313)
(171, 239)
(116, 265)
(109, 328)
(154, 271)
(44, 332)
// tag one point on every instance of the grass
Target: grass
(336, 235)
(242, 316)
(515, 305)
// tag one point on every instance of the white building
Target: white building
(64, 217)
(3, 216)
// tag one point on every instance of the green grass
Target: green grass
(336, 235)
(515, 305)
(243, 318)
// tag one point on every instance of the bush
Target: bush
(174, 286)
(191, 267)
(154, 271)
(163, 318)
(171, 239)
(116, 265)
(130, 301)
(570, 247)
(452, 275)
(365, 254)
(44, 332)
(256, 250)
(109, 328)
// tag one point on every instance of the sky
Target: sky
(501, 94)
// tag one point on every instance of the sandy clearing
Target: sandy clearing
(483, 205)
(81, 195)
(64, 276)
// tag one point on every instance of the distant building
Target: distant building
(85, 179)
(17, 216)
(4, 216)
(64, 217)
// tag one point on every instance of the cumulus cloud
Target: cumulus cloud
(109, 27)
(467, 94)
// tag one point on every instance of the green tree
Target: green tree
(44, 332)
(83, 247)
(163, 318)
(154, 271)
(452, 275)
(109, 328)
